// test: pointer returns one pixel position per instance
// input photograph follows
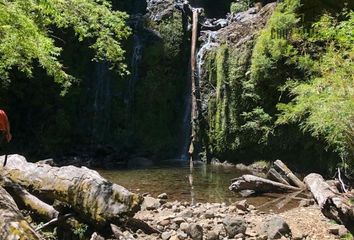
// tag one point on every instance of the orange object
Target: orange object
(5, 125)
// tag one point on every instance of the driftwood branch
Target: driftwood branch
(289, 174)
(259, 184)
(54, 221)
(274, 175)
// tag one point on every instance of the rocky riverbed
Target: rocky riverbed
(213, 221)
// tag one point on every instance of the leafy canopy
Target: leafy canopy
(26, 34)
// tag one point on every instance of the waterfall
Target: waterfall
(207, 45)
(101, 107)
(137, 54)
(186, 125)
(191, 99)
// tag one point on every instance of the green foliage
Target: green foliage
(271, 47)
(234, 121)
(26, 30)
(239, 6)
(80, 231)
(347, 236)
(248, 83)
(324, 104)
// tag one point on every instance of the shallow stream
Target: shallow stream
(203, 184)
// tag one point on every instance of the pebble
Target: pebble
(184, 226)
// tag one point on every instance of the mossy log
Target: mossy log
(92, 197)
(333, 205)
(258, 184)
(12, 223)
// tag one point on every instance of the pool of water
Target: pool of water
(203, 184)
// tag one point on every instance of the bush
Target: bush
(237, 7)
(324, 104)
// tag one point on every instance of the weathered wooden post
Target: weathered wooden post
(194, 109)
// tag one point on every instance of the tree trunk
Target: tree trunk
(333, 204)
(259, 185)
(12, 223)
(92, 197)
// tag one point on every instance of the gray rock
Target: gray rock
(234, 226)
(166, 235)
(162, 196)
(164, 222)
(242, 205)
(174, 238)
(275, 228)
(186, 214)
(174, 226)
(240, 236)
(167, 205)
(209, 214)
(195, 231)
(212, 235)
(150, 203)
(95, 236)
(339, 230)
(184, 227)
(182, 235)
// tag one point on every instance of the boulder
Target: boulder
(150, 203)
(195, 231)
(234, 226)
(275, 228)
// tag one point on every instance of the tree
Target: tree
(26, 35)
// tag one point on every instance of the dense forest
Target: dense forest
(108, 80)
(176, 120)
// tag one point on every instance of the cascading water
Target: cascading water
(207, 45)
(137, 54)
(101, 102)
(186, 125)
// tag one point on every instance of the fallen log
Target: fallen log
(25, 200)
(12, 223)
(259, 185)
(92, 197)
(289, 174)
(333, 204)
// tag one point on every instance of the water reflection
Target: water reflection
(201, 184)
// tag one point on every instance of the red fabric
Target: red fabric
(5, 125)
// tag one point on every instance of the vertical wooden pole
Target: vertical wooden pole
(194, 110)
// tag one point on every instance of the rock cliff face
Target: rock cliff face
(224, 61)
